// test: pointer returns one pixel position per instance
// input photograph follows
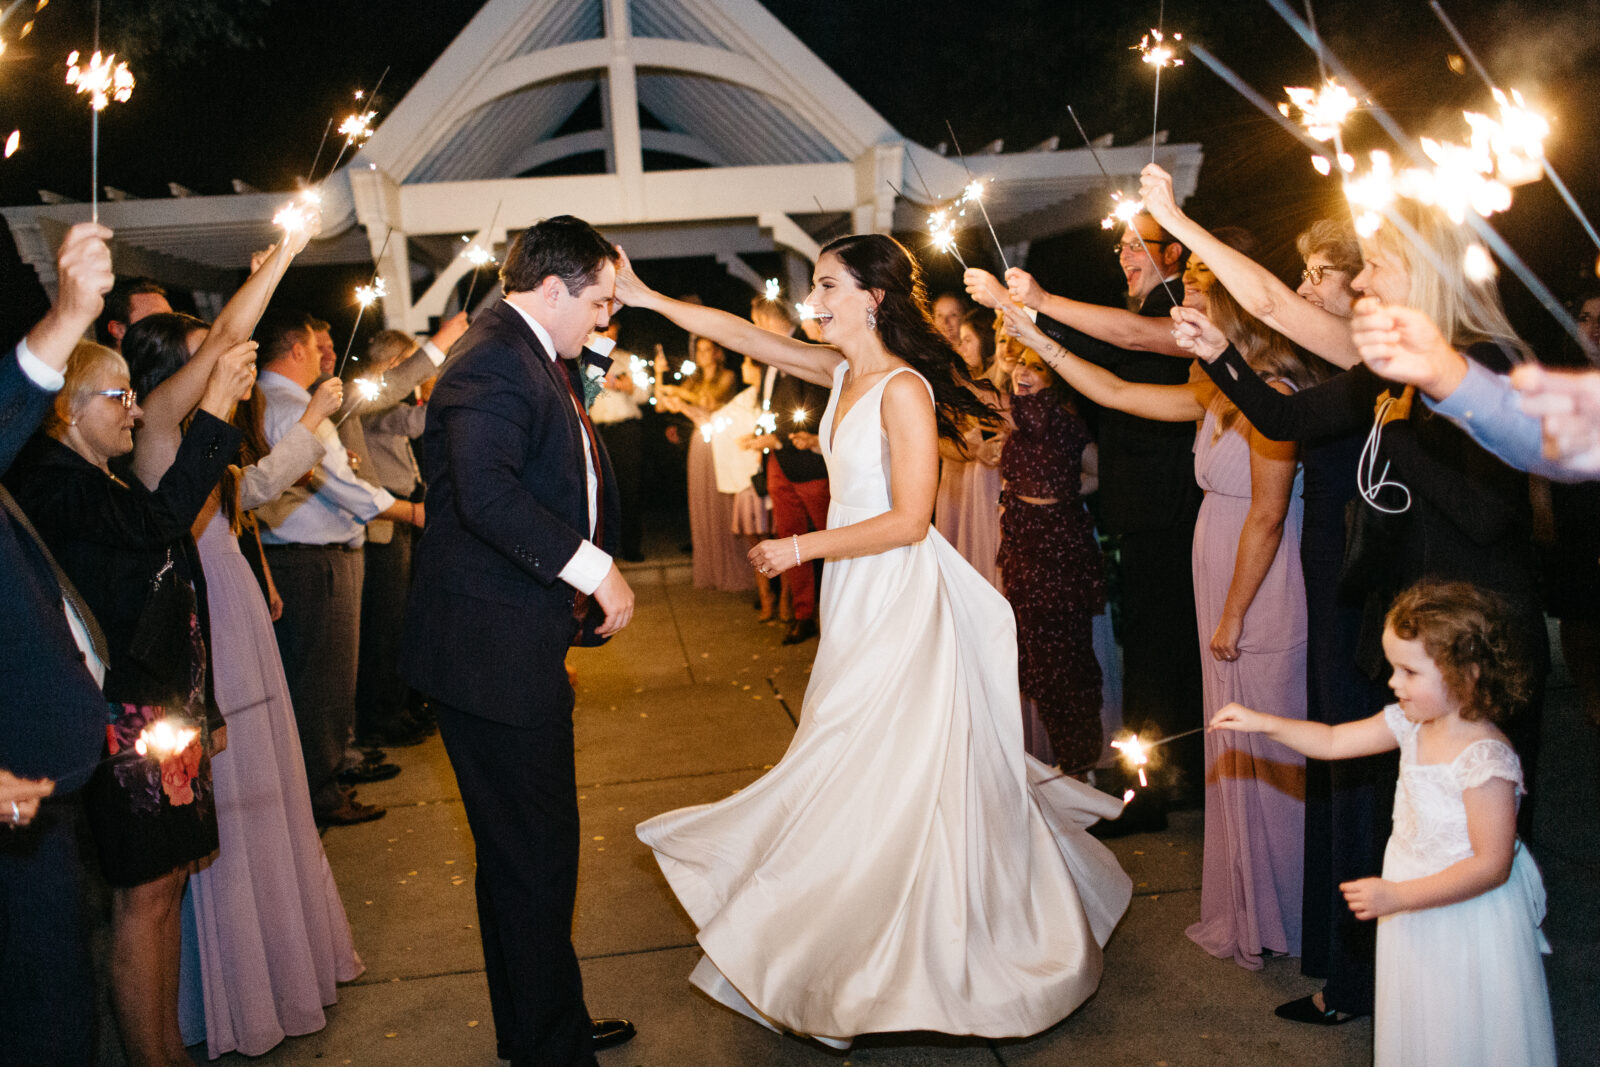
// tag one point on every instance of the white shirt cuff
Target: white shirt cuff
(587, 568)
(38, 371)
(434, 354)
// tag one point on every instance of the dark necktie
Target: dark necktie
(69, 592)
(567, 371)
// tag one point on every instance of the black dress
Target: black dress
(1050, 569)
(129, 552)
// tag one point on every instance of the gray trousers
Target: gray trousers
(319, 637)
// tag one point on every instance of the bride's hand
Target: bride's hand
(774, 557)
(631, 292)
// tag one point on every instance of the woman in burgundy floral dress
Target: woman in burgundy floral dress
(1049, 563)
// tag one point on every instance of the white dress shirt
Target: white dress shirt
(589, 565)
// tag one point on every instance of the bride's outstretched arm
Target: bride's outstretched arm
(913, 483)
(814, 363)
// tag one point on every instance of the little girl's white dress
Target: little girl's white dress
(1462, 984)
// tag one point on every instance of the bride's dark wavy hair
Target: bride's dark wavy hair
(907, 330)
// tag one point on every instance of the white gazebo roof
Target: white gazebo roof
(776, 153)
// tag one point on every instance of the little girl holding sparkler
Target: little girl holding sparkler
(1459, 975)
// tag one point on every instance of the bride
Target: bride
(905, 866)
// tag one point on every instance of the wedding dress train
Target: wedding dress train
(905, 866)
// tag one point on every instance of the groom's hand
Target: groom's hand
(616, 600)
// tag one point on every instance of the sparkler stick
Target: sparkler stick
(1131, 227)
(1486, 233)
(357, 127)
(912, 157)
(367, 294)
(320, 145)
(105, 80)
(1158, 55)
(1483, 73)
(466, 305)
(973, 191)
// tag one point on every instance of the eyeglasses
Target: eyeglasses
(127, 396)
(1314, 274)
(1122, 248)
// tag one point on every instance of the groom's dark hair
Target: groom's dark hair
(565, 246)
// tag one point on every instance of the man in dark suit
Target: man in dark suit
(52, 714)
(521, 505)
(1148, 499)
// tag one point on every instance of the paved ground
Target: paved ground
(695, 701)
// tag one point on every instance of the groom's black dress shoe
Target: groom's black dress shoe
(609, 1033)
(800, 630)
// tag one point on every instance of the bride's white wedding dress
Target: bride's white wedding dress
(905, 866)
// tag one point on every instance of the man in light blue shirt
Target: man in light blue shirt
(312, 537)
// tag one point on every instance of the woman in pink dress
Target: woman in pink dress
(967, 509)
(719, 553)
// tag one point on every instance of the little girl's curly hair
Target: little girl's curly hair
(1466, 631)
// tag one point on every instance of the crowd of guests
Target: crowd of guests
(207, 541)
(201, 643)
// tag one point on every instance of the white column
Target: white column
(622, 95)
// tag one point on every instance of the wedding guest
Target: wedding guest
(1348, 802)
(264, 920)
(618, 416)
(967, 509)
(797, 475)
(129, 301)
(1148, 499)
(948, 311)
(52, 719)
(378, 424)
(719, 555)
(128, 550)
(1250, 602)
(1049, 564)
(313, 542)
(738, 461)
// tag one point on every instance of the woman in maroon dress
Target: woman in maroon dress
(1049, 563)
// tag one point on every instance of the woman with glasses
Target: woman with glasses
(128, 551)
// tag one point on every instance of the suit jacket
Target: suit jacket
(490, 620)
(791, 394)
(1146, 467)
(52, 716)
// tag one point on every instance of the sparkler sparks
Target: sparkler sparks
(358, 127)
(773, 290)
(13, 143)
(103, 78)
(943, 230)
(1323, 111)
(767, 422)
(368, 390)
(163, 740)
(1123, 211)
(688, 368)
(367, 295)
(1478, 264)
(1135, 754)
(1154, 50)
(805, 311)
(799, 416)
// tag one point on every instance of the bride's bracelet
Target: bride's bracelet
(796, 539)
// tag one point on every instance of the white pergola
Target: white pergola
(789, 155)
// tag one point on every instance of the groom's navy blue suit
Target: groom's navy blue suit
(487, 630)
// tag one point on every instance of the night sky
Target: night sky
(994, 70)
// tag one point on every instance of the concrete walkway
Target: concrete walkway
(694, 701)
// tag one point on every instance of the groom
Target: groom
(521, 503)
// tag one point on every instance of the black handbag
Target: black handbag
(163, 641)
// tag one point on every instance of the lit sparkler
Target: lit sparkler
(973, 194)
(1478, 264)
(105, 80)
(302, 214)
(1135, 754)
(799, 416)
(1323, 111)
(366, 392)
(773, 290)
(480, 255)
(162, 740)
(767, 422)
(13, 143)
(805, 311)
(687, 368)
(943, 230)
(1154, 50)
(367, 295)
(357, 129)
(1123, 211)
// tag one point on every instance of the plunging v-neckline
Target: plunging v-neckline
(839, 417)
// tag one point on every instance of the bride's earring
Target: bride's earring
(872, 317)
